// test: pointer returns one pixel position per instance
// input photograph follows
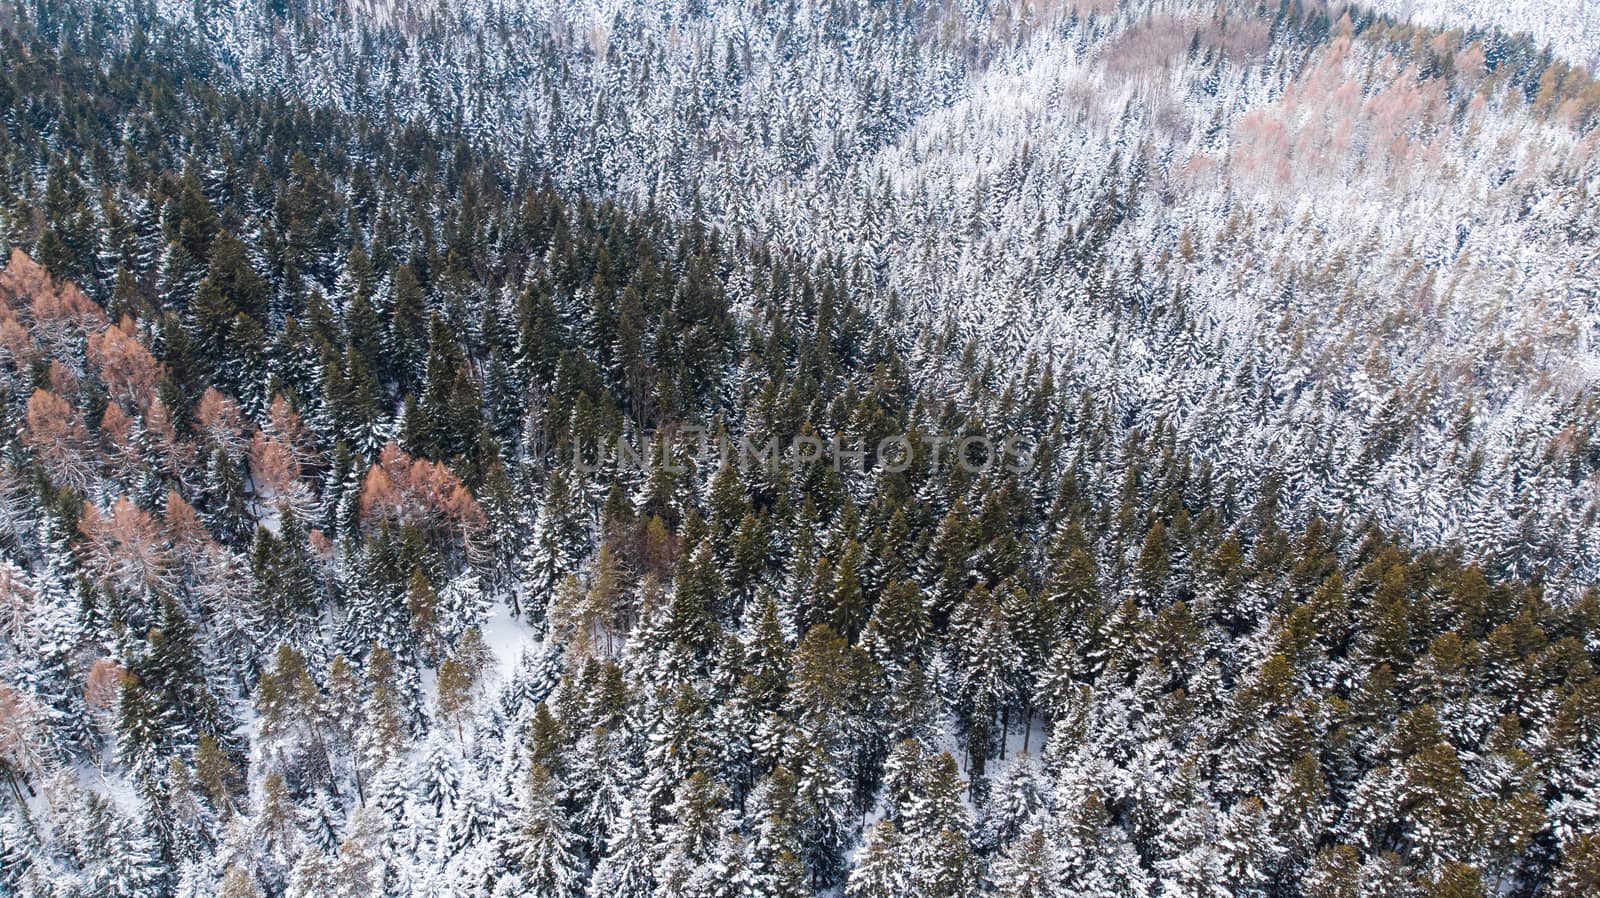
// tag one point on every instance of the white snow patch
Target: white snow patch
(507, 637)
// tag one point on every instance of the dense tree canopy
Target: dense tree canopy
(311, 582)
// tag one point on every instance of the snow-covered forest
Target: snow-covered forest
(1327, 249)
(311, 308)
(1571, 28)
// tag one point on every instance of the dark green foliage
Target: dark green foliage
(743, 663)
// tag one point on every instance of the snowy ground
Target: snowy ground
(507, 637)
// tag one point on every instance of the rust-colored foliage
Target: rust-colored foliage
(184, 527)
(56, 434)
(128, 370)
(62, 316)
(284, 426)
(21, 732)
(176, 456)
(116, 439)
(127, 546)
(63, 380)
(272, 465)
(102, 690)
(58, 312)
(15, 341)
(220, 421)
(321, 545)
(404, 490)
(21, 280)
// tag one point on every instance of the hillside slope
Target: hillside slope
(1348, 258)
(1571, 28)
(313, 585)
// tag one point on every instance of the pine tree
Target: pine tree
(558, 541)
(1579, 871)
(627, 868)
(1025, 869)
(696, 821)
(141, 727)
(1073, 586)
(899, 626)
(541, 845)
(879, 871)
(1097, 856)
(1015, 803)
(776, 865)
(226, 508)
(449, 407)
(385, 732)
(456, 688)
(1335, 873)
(408, 330)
